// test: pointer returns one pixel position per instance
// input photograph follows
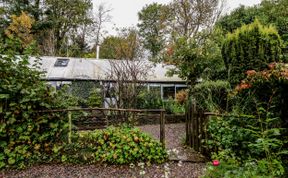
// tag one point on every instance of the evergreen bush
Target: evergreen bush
(250, 47)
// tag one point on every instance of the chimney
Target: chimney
(97, 51)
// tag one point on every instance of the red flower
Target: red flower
(170, 51)
(216, 163)
(272, 65)
(250, 72)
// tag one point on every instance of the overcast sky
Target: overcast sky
(124, 13)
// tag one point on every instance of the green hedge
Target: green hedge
(251, 47)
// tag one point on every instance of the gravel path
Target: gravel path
(173, 169)
(174, 140)
(185, 170)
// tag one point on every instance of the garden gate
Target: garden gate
(196, 127)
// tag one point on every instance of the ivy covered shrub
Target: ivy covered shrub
(250, 47)
(114, 145)
(26, 136)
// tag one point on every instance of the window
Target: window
(168, 92)
(61, 63)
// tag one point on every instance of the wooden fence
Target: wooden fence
(161, 113)
(196, 127)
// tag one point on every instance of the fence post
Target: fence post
(186, 124)
(70, 126)
(189, 134)
(162, 128)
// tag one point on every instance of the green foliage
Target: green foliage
(198, 57)
(114, 145)
(229, 135)
(55, 21)
(149, 100)
(250, 169)
(95, 98)
(173, 107)
(240, 16)
(152, 100)
(85, 93)
(253, 139)
(126, 45)
(211, 95)
(260, 137)
(25, 135)
(255, 145)
(250, 47)
(109, 47)
(268, 12)
(154, 19)
(268, 89)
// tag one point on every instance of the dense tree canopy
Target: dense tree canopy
(124, 46)
(53, 20)
(197, 58)
(153, 21)
(160, 24)
(268, 12)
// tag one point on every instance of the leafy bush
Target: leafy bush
(250, 47)
(173, 107)
(114, 145)
(249, 139)
(149, 100)
(260, 136)
(86, 93)
(95, 99)
(25, 135)
(249, 169)
(211, 95)
(268, 88)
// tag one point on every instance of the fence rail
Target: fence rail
(102, 109)
(69, 116)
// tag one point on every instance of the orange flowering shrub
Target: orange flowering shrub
(275, 72)
(268, 88)
(182, 96)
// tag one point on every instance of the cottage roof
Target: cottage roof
(67, 68)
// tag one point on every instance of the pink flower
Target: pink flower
(216, 163)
